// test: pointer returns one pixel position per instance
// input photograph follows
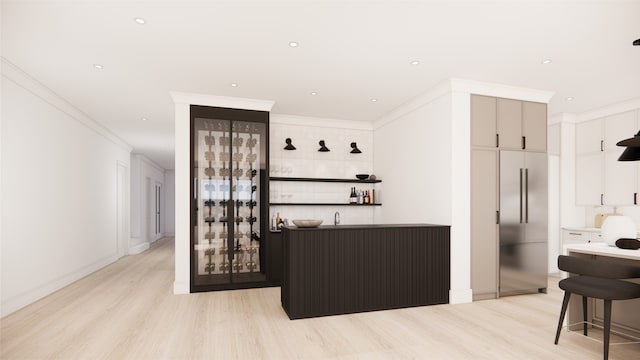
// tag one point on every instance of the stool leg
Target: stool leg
(584, 315)
(607, 327)
(565, 303)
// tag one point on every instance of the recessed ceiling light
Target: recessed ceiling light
(234, 85)
(314, 93)
(569, 98)
(140, 20)
(98, 66)
(547, 61)
(293, 44)
(374, 100)
(143, 118)
(415, 62)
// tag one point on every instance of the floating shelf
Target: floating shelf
(320, 204)
(274, 178)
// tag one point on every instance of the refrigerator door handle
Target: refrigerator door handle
(195, 188)
(526, 196)
(520, 195)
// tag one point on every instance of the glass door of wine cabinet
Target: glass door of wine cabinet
(229, 188)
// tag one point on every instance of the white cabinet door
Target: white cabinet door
(589, 137)
(619, 180)
(589, 187)
(618, 127)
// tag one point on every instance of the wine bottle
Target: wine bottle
(352, 197)
(366, 197)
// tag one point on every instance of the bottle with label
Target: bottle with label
(366, 197)
(352, 196)
(360, 197)
(278, 226)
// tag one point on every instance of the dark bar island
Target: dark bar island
(343, 269)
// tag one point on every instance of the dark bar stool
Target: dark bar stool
(599, 280)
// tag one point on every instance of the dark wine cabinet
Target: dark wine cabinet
(229, 199)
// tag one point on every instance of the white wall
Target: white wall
(422, 150)
(307, 161)
(59, 192)
(169, 203)
(144, 175)
(413, 157)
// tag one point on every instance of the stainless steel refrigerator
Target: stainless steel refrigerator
(523, 222)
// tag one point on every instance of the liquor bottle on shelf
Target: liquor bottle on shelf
(360, 197)
(352, 197)
(366, 197)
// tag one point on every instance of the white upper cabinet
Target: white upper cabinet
(618, 127)
(619, 180)
(600, 178)
(589, 138)
(589, 182)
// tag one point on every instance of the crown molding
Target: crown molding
(13, 73)
(297, 120)
(468, 87)
(221, 101)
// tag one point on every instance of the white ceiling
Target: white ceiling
(350, 52)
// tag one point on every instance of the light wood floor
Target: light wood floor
(127, 311)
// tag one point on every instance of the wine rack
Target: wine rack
(229, 158)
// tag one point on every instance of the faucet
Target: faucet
(336, 218)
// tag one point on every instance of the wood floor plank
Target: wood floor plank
(127, 311)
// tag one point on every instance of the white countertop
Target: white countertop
(591, 229)
(602, 249)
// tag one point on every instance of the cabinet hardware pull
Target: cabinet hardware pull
(601, 199)
(497, 140)
(601, 145)
(572, 233)
(498, 217)
(524, 142)
(635, 198)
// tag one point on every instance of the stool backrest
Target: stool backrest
(597, 268)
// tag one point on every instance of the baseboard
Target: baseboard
(180, 287)
(460, 296)
(29, 297)
(137, 249)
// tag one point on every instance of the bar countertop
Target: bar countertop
(362, 226)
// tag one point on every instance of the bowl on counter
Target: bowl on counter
(362, 176)
(306, 223)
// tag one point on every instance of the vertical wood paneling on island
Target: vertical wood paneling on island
(338, 270)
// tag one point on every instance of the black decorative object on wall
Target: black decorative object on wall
(632, 152)
(354, 149)
(323, 148)
(289, 145)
